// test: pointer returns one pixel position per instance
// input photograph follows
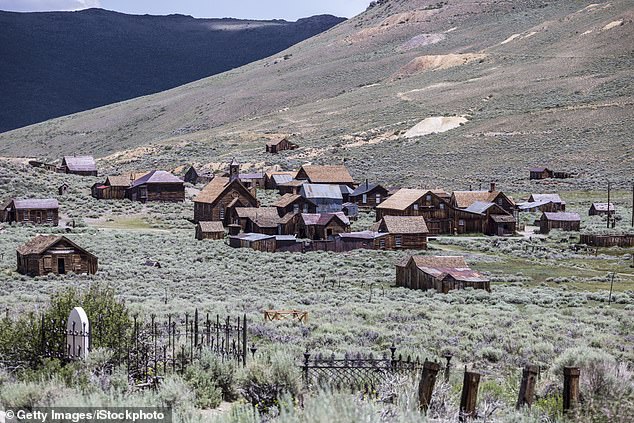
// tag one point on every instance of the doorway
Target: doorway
(61, 266)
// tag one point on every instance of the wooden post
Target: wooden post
(426, 385)
(469, 396)
(571, 387)
(608, 204)
(527, 386)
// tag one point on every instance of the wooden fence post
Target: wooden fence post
(469, 396)
(426, 385)
(571, 387)
(527, 386)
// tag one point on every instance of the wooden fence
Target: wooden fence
(623, 241)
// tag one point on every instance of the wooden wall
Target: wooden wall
(37, 216)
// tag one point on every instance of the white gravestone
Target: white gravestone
(77, 334)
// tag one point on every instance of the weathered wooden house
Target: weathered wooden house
(346, 192)
(79, 165)
(598, 209)
(442, 273)
(545, 203)
(273, 179)
(368, 195)
(32, 211)
(294, 203)
(63, 189)
(331, 175)
(484, 217)
(564, 221)
(220, 196)
(321, 226)
(209, 230)
(252, 180)
(463, 199)
(430, 204)
(327, 198)
(291, 187)
(114, 188)
(351, 210)
(260, 220)
(404, 232)
(54, 254)
(257, 242)
(369, 240)
(540, 173)
(194, 177)
(157, 185)
(278, 144)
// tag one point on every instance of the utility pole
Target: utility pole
(633, 204)
(608, 204)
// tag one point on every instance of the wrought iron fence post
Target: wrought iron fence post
(244, 339)
(306, 358)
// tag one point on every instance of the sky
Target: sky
(290, 10)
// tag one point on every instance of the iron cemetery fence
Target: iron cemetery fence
(356, 372)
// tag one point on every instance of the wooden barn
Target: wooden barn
(276, 145)
(209, 230)
(331, 175)
(114, 187)
(79, 165)
(220, 196)
(463, 199)
(194, 177)
(484, 217)
(273, 179)
(598, 209)
(564, 221)
(157, 185)
(321, 226)
(442, 273)
(404, 232)
(257, 242)
(54, 254)
(260, 220)
(368, 195)
(63, 189)
(32, 211)
(430, 204)
(294, 203)
(327, 198)
(540, 173)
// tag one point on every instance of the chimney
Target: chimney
(492, 187)
(366, 183)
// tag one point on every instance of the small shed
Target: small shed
(79, 165)
(370, 240)
(210, 230)
(54, 254)
(276, 145)
(63, 189)
(540, 173)
(32, 211)
(258, 242)
(404, 232)
(598, 209)
(442, 273)
(564, 221)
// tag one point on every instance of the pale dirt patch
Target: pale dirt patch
(613, 24)
(511, 38)
(518, 37)
(435, 62)
(435, 124)
(421, 41)
(594, 6)
(389, 23)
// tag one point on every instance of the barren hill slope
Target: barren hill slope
(540, 83)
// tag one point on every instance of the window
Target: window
(364, 199)
(461, 222)
(47, 263)
(305, 208)
(222, 212)
(429, 198)
(442, 206)
(25, 216)
(382, 244)
(499, 201)
(415, 206)
(398, 241)
(49, 216)
(378, 198)
(295, 208)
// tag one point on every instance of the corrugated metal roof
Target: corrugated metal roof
(362, 235)
(321, 191)
(563, 216)
(532, 204)
(80, 163)
(554, 198)
(479, 207)
(282, 178)
(364, 188)
(603, 207)
(250, 176)
(47, 203)
(322, 219)
(157, 177)
(538, 169)
(345, 190)
(252, 237)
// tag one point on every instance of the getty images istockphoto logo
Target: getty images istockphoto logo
(86, 414)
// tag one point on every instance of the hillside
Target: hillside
(539, 83)
(101, 57)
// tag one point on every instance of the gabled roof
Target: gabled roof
(48, 203)
(282, 178)
(345, 190)
(317, 174)
(218, 186)
(503, 218)
(292, 183)
(249, 176)
(80, 163)
(553, 198)
(287, 199)
(364, 188)
(532, 204)
(538, 169)
(211, 226)
(157, 177)
(405, 224)
(441, 266)
(363, 235)
(321, 191)
(41, 243)
(264, 217)
(479, 207)
(464, 199)
(322, 219)
(276, 140)
(405, 197)
(563, 216)
(603, 207)
(252, 237)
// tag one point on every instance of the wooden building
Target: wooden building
(484, 217)
(220, 196)
(327, 198)
(209, 230)
(404, 232)
(369, 240)
(79, 165)
(463, 199)
(31, 211)
(54, 254)
(294, 203)
(598, 209)
(114, 187)
(442, 273)
(321, 226)
(276, 145)
(548, 202)
(252, 180)
(291, 187)
(260, 220)
(331, 175)
(540, 173)
(273, 179)
(194, 177)
(157, 185)
(368, 195)
(564, 221)
(433, 205)
(351, 210)
(257, 242)
(63, 189)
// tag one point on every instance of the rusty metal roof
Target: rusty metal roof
(80, 163)
(332, 192)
